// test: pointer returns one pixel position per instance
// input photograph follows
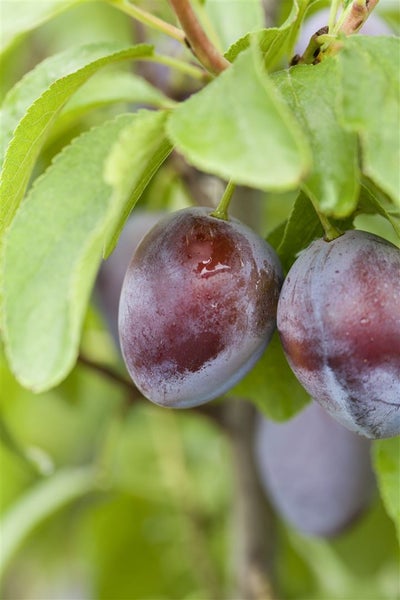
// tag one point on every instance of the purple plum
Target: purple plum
(339, 323)
(198, 307)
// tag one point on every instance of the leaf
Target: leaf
(134, 159)
(234, 18)
(104, 89)
(272, 386)
(372, 201)
(239, 128)
(302, 227)
(370, 105)
(274, 42)
(387, 466)
(45, 91)
(311, 91)
(38, 503)
(20, 16)
(54, 247)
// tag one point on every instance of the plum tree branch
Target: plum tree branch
(212, 411)
(325, 42)
(354, 17)
(253, 519)
(197, 39)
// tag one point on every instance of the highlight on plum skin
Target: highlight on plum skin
(316, 473)
(339, 322)
(198, 307)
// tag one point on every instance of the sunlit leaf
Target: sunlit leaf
(369, 93)
(239, 128)
(33, 105)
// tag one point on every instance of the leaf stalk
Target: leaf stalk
(148, 19)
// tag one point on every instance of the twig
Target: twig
(351, 21)
(355, 16)
(196, 38)
(253, 518)
(215, 412)
(148, 19)
(111, 374)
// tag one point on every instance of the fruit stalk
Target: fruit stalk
(221, 212)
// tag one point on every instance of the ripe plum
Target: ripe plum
(316, 472)
(339, 323)
(198, 307)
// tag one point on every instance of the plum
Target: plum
(316, 472)
(198, 307)
(374, 25)
(112, 271)
(339, 323)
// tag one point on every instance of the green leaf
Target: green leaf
(54, 246)
(33, 105)
(372, 201)
(370, 105)
(38, 503)
(134, 159)
(311, 92)
(239, 128)
(234, 18)
(20, 16)
(107, 88)
(272, 386)
(302, 227)
(274, 42)
(387, 466)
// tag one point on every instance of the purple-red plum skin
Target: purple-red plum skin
(197, 308)
(339, 323)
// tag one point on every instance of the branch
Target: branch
(351, 21)
(253, 518)
(196, 38)
(112, 375)
(355, 16)
(215, 412)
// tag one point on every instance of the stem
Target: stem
(198, 42)
(175, 63)
(355, 15)
(148, 19)
(333, 14)
(212, 411)
(254, 543)
(110, 374)
(330, 231)
(221, 212)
